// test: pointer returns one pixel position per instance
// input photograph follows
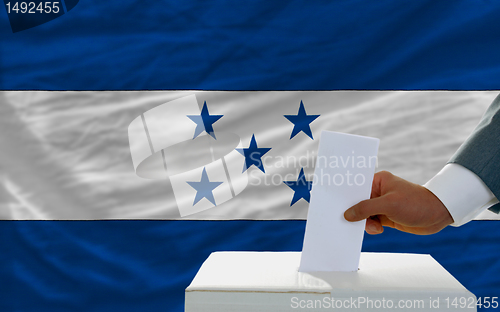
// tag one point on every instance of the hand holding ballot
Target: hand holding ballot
(397, 203)
(464, 188)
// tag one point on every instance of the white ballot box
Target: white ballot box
(271, 281)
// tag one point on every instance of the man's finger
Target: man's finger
(366, 208)
(373, 226)
(386, 221)
(380, 179)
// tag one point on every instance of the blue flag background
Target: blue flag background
(131, 45)
(261, 45)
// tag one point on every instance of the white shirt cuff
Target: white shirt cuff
(462, 192)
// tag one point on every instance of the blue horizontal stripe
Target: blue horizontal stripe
(257, 45)
(146, 265)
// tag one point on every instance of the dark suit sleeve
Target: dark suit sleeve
(480, 153)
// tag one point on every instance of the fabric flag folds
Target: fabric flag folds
(208, 155)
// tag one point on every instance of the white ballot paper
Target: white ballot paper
(343, 177)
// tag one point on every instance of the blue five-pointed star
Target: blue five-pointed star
(253, 155)
(204, 188)
(301, 122)
(301, 187)
(204, 122)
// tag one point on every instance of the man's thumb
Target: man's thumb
(366, 209)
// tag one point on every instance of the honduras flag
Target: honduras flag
(133, 119)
